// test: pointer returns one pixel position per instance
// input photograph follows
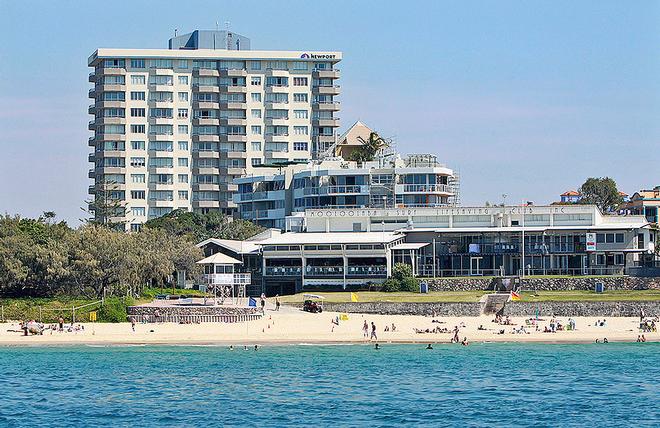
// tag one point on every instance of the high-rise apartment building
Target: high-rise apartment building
(174, 127)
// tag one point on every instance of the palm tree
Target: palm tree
(369, 148)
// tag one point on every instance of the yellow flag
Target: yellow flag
(354, 297)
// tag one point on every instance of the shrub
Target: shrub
(391, 285)
(409, 284)
(401, 271)
(114, 309)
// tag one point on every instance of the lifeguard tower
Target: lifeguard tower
(227, 285)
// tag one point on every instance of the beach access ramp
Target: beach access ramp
(493, 303)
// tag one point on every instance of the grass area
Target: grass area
(46, 309)
(474, 296)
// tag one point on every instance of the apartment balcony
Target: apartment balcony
(326, 106)
(206, 154)
(161, 87)
(206, 138)
(91, 158)
(205, 88)
(270, 195)
(208, 187)
(326, 90)
(442, 189)
(110, 88)
(160, 169)
(161, 121)
(109, 154)
(233, 121)
(322, 139)
(367, 271)
(282, 89)
(206, 204)
(334, 122)
(111, 137)
(324, 271)
(107, 121)
(230, 154)
(206, 121)
(337, 190)
(233, 170)
(92, 93)
(205, 72)
(160, 203)
(91, 142)
(234, 89)
(234, 138)
(110, 104)
(276, 138)
(161, 71)
(91, 125)
(276, 73)
(272, 214)
(205, 105)
(114, 71)
(273, 105)
(92, 77)
(161, 186)
(234, 73)
(325, 74)
(161, 137)
(161, 104)
(161, 153)
(280, 121)
(206, 170)
(91, 109)
(232, 105)
(110, 170)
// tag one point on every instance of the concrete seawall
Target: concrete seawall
(548, 284)
(193, 314)
(575, 309)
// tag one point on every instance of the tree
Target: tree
(402, 280)
(198, 227)
(107, 208)
(601, 192)
(369, 148)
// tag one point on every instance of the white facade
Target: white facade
(173, 128)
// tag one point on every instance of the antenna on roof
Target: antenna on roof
(217, 26)
(175, 30)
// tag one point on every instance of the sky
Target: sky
(526, 99)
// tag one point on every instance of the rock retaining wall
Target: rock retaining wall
(575, 309)
(193, 314)
(548, 284)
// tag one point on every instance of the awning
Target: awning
(219, 258)
(410, 246)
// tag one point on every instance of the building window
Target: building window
(255, 81)
(183, 145)
(183, 96)
(300, 65)
(255, 65)
(300, 146)
(256, 97)
(137, 178)
(137, 79)
(256, 113)
(256, 130)
(300, 81)
(183, 80)
(183, 161)
(183, 63)
(183, 129)
(138, 129)
(137, 162)
(300, 98)
(160, 63)
(138, 211)
(137, 112)
(183, 113)
(137, 63)
(183, 195)
(183, 178)
(255, 161)
(301, 114)
(113, 63)
(136, 227)
(619, 239)
(137, 96)
(300, 130)
(138, 194)
(256, 146)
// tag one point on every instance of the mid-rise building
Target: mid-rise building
(646, 203)
(173, 128)
(387, 182)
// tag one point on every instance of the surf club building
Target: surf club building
(349, 248)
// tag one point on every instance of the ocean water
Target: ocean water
(614, 384)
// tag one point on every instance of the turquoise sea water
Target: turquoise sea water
(612, 384)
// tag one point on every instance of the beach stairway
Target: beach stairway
(493, 303)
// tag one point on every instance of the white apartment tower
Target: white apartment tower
(174, 127)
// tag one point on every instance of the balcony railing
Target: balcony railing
(283, 270)
(324, 271)
(329, 190)
(425, 188)
(371, 270)
(228, 278)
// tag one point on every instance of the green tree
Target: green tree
(198, 227)
(402, 280)
(106, 208)
(369, 148)
(601, 192)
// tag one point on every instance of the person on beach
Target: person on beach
(277, 302)
(373, 331)
(365, 329)
(455, 339)
(133, 323)
(641, 314)
(263, 303)
(643, 338)
(60, 321)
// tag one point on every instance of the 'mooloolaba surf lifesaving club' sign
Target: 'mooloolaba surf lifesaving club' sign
(405, 212)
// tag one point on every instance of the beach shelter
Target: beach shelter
(221, 278)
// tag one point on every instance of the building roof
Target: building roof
(570, 193)
(293, 238)
(238, 247)
(603, 226)
(219, 258)
(410, 246)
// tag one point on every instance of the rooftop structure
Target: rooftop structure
(646, 203)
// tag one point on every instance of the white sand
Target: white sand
(294, 326)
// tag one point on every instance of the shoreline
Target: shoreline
(294, 327)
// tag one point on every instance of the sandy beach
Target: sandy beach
(291, 325)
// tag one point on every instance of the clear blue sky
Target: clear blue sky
(524, 98)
